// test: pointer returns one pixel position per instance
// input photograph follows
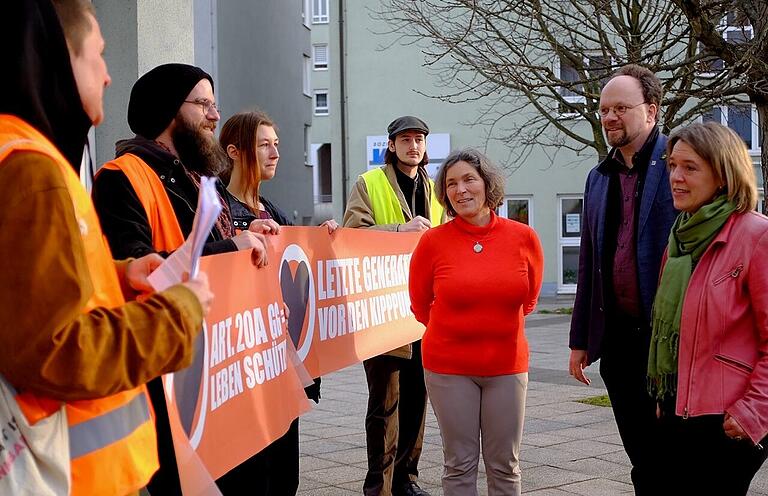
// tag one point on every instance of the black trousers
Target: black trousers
(274, 471)
(624, 367)
(394, 422)
(701, 459)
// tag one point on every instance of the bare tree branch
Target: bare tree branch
(537, 66)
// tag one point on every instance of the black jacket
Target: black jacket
(123, 218)
(242, 215)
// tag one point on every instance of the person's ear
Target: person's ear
(654, 114)
(391, 145)
(233, 152)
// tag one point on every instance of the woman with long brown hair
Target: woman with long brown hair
(251, 143)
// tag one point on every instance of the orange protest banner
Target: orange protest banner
(328, 300)
(347, 293)
(242, 391)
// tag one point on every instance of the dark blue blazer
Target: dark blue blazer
(655, 219)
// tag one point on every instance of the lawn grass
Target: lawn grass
(601, 400)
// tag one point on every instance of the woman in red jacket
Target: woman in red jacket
(472, 281)
(708, 364)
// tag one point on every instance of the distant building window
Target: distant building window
(319, 11)
(736, 29)
(307, 145)
(306, 77)
(323, 173)
(742, 118)
(321, 102)
(517, 208)
(597, 70)
(569, 241)
(320, 54)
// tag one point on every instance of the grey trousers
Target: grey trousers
(471, 410)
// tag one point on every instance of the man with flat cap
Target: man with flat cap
(399, 196)
(146, 200)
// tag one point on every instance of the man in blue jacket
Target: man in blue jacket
(628, 214)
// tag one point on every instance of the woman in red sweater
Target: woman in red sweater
(472, 281)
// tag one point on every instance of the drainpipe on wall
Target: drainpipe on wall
(343, 100)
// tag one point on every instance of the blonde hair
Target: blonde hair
(728, 156)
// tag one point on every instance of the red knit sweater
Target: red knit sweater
(474, 304)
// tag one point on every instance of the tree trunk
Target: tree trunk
(762, 112)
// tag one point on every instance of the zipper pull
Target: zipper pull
(737, 271)
(685, 413)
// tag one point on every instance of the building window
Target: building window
(319, 11)
(323, 187)
(320, 56)
(572, 93)
(321, 102)
(517, 208)
(742, 118)
(735, 29)
(306, 76)
(569, 242)
(598, 69)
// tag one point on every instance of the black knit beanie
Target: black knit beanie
(158, 94)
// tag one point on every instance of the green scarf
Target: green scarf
(689, 239)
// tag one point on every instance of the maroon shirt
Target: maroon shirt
(625, 282)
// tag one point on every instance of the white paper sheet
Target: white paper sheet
(187, 257)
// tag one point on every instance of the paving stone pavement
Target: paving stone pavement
(568, 447)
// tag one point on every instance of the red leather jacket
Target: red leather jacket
(723, 358)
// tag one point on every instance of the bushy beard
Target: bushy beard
(197, 151)
(619, 142)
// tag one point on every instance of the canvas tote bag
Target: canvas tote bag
(34, 459)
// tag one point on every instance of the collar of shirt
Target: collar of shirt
(614, 162)
(407, 184)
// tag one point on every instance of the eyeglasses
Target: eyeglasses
(618, 110)
(205, 103)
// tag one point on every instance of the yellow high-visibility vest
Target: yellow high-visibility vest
(385, 205)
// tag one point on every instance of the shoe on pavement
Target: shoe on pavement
(410, 489)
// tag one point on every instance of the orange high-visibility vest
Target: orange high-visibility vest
(166, 232)
(112, 441)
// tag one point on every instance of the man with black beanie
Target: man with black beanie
(146, 200)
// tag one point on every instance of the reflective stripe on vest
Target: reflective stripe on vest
(385, 205)
(104, 460)
(109, 428)
(166, 232)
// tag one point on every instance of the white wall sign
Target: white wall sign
(572, 223)
(438, 147)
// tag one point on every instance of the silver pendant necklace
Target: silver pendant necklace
(478, 248)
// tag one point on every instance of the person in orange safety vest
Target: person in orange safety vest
(66, 331)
